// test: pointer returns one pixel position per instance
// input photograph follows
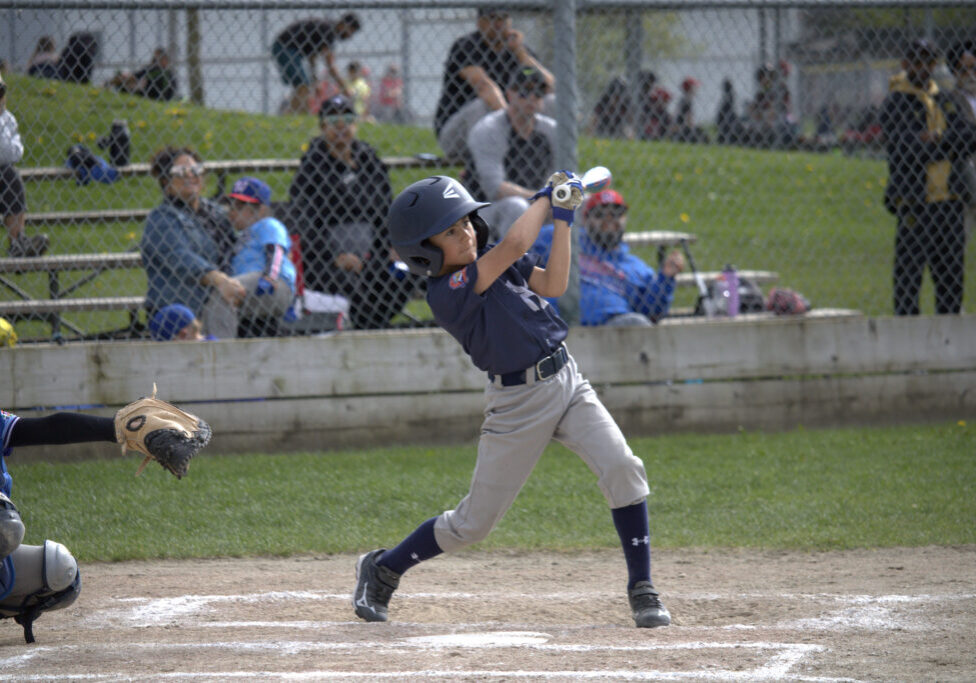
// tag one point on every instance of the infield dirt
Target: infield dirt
(878, 615)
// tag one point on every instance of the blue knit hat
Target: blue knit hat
(169, 320)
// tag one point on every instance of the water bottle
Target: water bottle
(732, 290)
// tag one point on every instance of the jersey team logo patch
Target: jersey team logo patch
(459, 279)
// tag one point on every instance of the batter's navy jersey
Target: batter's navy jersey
(506, 328)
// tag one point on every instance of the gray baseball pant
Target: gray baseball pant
(519, 423)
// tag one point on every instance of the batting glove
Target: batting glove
(566, 195)
(557, 178)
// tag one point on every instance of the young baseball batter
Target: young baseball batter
(492, 301)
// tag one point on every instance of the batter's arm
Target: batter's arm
(551, 281)
(513, 246)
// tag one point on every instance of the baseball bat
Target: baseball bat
(562, 192)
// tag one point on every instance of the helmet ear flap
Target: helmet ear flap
(481, 230)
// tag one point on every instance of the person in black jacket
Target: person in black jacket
(922, 137)
(339, 201)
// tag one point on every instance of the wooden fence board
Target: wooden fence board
(423, 361)
(384, 388)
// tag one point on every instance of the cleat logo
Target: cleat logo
(361, 601)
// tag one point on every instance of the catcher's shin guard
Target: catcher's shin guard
(46, 578)
(11, 526)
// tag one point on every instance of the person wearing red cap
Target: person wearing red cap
(261, 261)
(616, 286)
(685, 129)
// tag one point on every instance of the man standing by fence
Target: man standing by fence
(304, 40)
(922, 137)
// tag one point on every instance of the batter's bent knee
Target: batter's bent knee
(625, 481)
(453, 531)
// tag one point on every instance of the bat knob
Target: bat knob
(562, 193)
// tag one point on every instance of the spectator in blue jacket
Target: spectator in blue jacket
(616, 287)
(186, 246)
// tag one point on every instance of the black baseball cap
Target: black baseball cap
(528, 79)
(922, 50)
(339, 104)
(498, 11)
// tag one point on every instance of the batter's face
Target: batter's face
(459, 244)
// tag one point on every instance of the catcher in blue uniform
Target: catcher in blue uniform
(40, 578)
(491, 298)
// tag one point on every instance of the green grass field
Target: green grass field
(810, 490)
(816, 219)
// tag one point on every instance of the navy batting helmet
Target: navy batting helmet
(424, 209)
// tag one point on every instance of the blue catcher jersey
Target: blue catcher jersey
(506, 328)
(7, 422)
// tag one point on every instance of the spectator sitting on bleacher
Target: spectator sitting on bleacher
(176, 322)
(512, 152)
(43, 63)
(13, 198)
(261, 263)
(616, 287)
(340, 197)
(155, 80)
(478, 66)
(179, 251)
(77, 60)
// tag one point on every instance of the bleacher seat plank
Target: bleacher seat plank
(760, 277)
(75, 217)
(59, 262)
(224, 166)
(75, 305)
(658, 238)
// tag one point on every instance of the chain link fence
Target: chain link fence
(755, 136)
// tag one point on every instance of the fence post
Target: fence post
(564, 64)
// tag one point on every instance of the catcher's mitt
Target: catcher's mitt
(162, 431)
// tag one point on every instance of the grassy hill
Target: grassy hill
(817, 219)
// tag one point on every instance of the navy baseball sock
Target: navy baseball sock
(635, 537)
(414, 549)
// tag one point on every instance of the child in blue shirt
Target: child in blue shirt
(261, 263)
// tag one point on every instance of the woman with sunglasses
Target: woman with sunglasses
(339, 200)
(187, 244)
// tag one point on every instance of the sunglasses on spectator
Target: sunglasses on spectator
(333, 119)
(187, 171)
(608, 212)
(531, 92)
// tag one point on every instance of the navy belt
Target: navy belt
(542, 370)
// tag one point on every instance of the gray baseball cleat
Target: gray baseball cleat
(645, 602)
(374, 586)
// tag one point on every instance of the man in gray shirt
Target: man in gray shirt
(512, 151)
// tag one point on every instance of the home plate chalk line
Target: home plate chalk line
(842, 613)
